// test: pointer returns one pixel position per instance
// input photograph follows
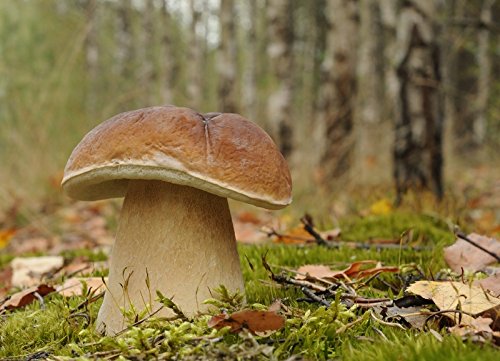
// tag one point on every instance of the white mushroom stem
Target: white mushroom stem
(179, 237)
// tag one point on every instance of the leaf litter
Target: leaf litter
(351, 289)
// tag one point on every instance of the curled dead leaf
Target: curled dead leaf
(255, 321)
(357, 270)
(23, 298)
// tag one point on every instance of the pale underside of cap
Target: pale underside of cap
(223, 154)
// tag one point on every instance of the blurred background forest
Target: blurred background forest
(356, 93)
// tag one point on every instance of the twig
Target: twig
(292, 281)
(306, 221)
(467, 239)
(392, 324)
(316, 298)
(443, 312)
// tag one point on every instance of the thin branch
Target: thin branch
(314, 297)
(467, 239)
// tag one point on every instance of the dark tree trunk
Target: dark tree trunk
(338, 89)
(418, 156)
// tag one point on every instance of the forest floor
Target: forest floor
(367, 284)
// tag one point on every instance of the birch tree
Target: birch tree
(194, 86)
(338, 89)
(369, 115)
(167, 54)
(280, 22)
(226, 63)
(250, 76)
(149, 74)
(91, 54)
(418, 157)
(484, 72)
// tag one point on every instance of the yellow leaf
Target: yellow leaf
(5, 236)
(455, 295)
(381, 207)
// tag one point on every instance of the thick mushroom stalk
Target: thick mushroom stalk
(176, 239)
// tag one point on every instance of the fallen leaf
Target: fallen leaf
(491, 283)
(455, 295)
(463, 254)
(23, 298)
(248, 233)
(297, 235)
(355, 270)
(275, 306)
(74, 286)
(29, 271)
(480, 326)
(254, 321)
(5, 237)
(315, 271)
(5, 281)
(381, 207)
(413, 315)
(248, 217)
(30, 245)
(331, 234)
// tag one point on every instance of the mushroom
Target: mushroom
(176, 169)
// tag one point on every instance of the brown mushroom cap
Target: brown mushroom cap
(224, 154)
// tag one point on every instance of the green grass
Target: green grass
(312, 332)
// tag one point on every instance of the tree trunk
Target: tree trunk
(126, 56)
(370, 96)
(484, 76)
(91, 55)
(226, 63)
(280, 19)
(338, 91)
(389, 10)
(419, 122)
(194, 86)
(149, 74)
(250, 76)
(167, 58)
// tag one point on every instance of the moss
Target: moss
(60, 328)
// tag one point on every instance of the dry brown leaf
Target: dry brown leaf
(5, 281)
(254, 321)
(355, 270)
(248, 233)
(23, 298)
(331, 234)
(455, 295)
(30, 245)
(479, 326)
(74, 286)
(5, 236)
(413, 315)
(29, 271)
(275, 306)
(463, 254)
(249, 217)
(316, 271)
(492, 284)
(297, 235)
